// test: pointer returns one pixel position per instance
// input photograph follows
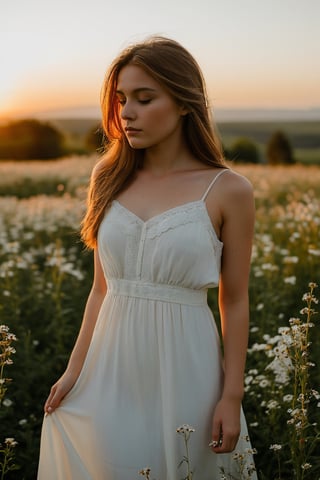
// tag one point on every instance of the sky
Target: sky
(253, 53)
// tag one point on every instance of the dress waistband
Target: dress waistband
(156, 291)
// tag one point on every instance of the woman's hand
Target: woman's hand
(226, 425)
(58, 391)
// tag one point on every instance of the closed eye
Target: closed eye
(122, 101)
(144, 102)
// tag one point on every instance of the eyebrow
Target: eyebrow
(138, 90)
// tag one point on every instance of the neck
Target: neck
(163, 159)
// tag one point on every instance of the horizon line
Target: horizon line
(229, 113)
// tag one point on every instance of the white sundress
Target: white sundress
(154, 361)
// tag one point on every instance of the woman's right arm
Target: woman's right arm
(98, 291)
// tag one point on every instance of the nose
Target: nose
(127, 111)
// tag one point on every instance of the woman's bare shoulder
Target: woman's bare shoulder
(236, 186)
(236, 198)
(231, 197)
(230, 184)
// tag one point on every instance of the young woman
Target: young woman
(167, 220)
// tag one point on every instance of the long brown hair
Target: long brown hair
(174, 68)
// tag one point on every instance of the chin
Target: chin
(137, 145)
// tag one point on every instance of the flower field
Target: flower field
(45, 277)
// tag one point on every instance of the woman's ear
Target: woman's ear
(183, 110)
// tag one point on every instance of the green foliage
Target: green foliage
(307, 156)
(45, 279)
(28, 187)
(244, 150)
(30, 139)
(279, 150)
(285, 258)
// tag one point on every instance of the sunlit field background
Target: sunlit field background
(45, 276)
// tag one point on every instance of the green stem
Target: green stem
(189, 477)
(4, 465)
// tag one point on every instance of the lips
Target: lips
(132, 130)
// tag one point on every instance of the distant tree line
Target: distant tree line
(278, 150)
(33, 140)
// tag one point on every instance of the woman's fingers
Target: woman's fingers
(53, 400)
(227, 444)
(216, 435)
(225, 429)
(224, 444)
(49, 399)
(58, 391)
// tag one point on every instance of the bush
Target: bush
(30, 140)
(244, 150)
(279, 150)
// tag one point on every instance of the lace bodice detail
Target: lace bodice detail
(178, 247)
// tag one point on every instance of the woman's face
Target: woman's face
(149, 115)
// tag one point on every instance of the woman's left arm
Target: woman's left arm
(237, 213)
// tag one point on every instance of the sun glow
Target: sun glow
(54, 54)
(9, 82)
(19, 70)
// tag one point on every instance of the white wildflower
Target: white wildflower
(264, 383)
(275, 447)
(315, 394)
(314, 251)
(7, 402)
(289, 260)
(270, 267)
(287, 398)
(10, 442)
(185, 428)
(145, 472)
(290, 280)
(254, 329)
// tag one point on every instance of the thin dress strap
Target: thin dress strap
(213, 182)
